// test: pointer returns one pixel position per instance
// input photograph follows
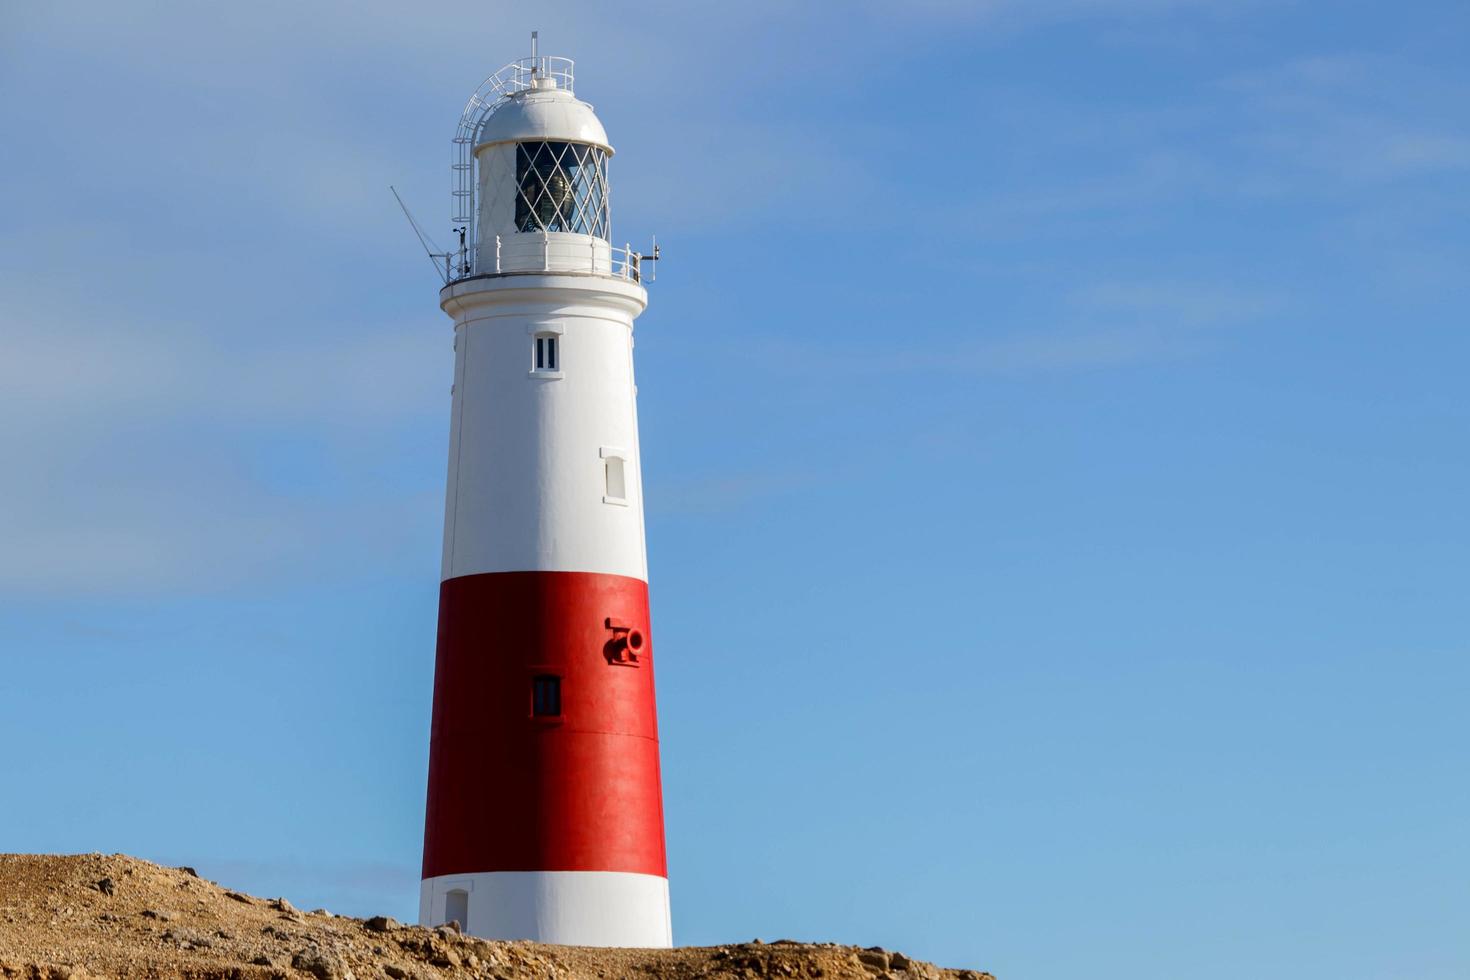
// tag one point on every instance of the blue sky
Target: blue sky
(1054, 436)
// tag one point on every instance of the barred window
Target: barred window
(546, 359)
(563, 187)
(546, 696)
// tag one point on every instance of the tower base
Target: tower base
(569, 908)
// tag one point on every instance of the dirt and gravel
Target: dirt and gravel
(93, 915)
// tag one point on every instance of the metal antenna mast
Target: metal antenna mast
(430, 248)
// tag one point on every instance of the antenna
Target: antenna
(653, 257)
(534, 35)
(425, 241)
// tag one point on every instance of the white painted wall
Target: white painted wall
(573, 908)
(526, 481)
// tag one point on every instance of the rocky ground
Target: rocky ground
(94, 915)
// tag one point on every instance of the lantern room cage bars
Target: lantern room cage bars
(494, 91)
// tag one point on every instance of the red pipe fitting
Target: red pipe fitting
(626, 644)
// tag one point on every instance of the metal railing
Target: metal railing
(518, 76)
(555, 257)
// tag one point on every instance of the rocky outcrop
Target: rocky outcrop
(88, 916)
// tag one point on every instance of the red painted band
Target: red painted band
(512, 792)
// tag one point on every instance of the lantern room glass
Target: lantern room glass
(562, 187)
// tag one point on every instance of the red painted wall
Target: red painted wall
(510, 792)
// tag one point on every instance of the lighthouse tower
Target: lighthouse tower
(545, 816)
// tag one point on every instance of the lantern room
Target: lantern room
(531, 175)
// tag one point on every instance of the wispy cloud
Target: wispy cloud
(87, 527)
(728, 492)
(1339, 131)
(1033, 352)
(138, 459)
(1173, 303)
(1109, 324)
(1032, 11)
(72, 372)
(1350, 121)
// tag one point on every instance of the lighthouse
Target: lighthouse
(545, 813)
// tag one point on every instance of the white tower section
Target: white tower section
(543, 461)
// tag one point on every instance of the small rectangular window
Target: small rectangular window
(546, 352)
(616, 485)
(546, 696)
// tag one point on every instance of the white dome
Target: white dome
(542, 114)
